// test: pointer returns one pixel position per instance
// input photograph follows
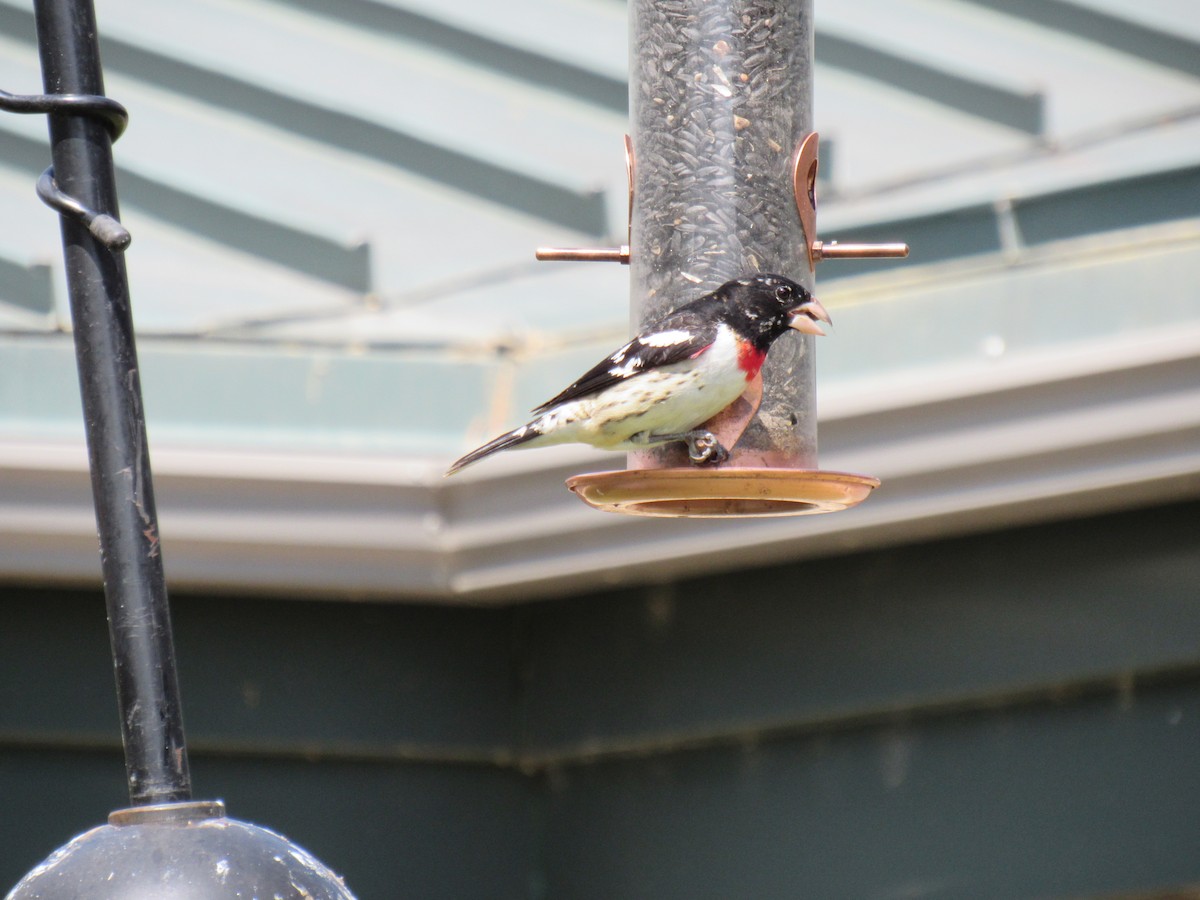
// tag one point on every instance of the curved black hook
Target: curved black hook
(104, 228)
(112, 113)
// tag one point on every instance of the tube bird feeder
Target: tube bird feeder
(722, 164)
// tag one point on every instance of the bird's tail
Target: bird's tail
(514, 438)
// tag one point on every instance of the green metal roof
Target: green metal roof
(335, 206)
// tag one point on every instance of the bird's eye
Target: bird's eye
(783, 292)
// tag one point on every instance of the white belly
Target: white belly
(668, 400)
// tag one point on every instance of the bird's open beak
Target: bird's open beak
(805, 316)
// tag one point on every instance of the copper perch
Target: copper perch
(804, 186)
(835, 250)
(598, 254)
(584, 254)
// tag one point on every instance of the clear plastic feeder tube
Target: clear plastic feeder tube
(720, 96)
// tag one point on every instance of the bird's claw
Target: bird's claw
(703, 447)
(705, 450)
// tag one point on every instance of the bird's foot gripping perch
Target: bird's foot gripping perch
(703, 447)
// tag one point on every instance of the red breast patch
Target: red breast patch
(750, 359)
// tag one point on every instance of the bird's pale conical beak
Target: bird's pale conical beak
(805, 316)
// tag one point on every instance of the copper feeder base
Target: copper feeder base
(722, 493)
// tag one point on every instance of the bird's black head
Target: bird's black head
(763, 307)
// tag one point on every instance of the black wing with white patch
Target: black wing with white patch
(677, 337)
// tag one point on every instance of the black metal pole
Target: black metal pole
(138, 615)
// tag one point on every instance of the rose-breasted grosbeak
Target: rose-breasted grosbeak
(679, 373)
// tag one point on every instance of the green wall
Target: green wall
(1006, 715)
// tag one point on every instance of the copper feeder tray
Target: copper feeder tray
(722, 493)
